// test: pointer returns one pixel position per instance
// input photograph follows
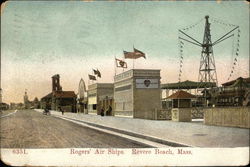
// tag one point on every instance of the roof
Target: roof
(240, 80)
(188, 85)
(64, 94)
(181, 95)
(60, 94)
(48, 96)
(4, 104)
(101, 85)
(56, 76)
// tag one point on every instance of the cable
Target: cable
(187, 28)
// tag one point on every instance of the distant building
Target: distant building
(59, 98)
(137, 93)
(14, 106)
(100, 96)
(30, 104)
(35, 103)
(4, 106)
(64, 99)
(188, 86)
(26, 101)
(46, 101)
(232, 93)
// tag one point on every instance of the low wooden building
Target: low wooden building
(181, 106)
(181, 99)
(64, 99)
(59, 98)
(46, 101)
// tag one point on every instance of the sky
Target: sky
(70, 38)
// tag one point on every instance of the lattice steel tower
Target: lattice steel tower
(207, 70)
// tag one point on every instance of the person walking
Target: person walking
(60, 109)
(102, 112)
(109, 111)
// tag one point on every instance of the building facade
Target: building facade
(96, 92)
(137, 93)
(59, 98)
(232, 93)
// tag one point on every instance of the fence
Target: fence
(162, 114)
(228, 116)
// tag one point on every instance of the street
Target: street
(31, 129)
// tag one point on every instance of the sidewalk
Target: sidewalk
(194, 134)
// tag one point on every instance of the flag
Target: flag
(120, 63)
(139, 53)
(129, 55)
(97, 72)
(92, 77)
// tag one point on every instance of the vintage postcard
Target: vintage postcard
(125, 83)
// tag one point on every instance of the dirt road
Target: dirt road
(30, 129)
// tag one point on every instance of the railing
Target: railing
(162, 114)
(246, 101)
(197, 113)
(165, 114)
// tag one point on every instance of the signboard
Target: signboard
(147, 83)
(92, 100)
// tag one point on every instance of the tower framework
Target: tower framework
(207, 70)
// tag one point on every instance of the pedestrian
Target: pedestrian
(109, 111)
(102, 112)
(60, 109)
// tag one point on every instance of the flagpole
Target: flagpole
(93, 75)
(124, 61)
(96, 76)
(133, 59)
(115, 68)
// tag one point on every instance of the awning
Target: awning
(188, 85)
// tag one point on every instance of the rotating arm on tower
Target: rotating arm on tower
(224, 37)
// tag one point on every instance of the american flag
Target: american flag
(139, 53)
(129, 55)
